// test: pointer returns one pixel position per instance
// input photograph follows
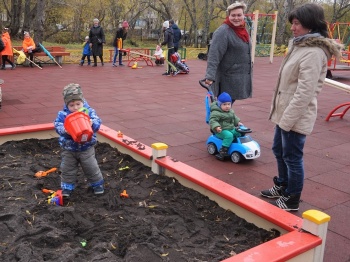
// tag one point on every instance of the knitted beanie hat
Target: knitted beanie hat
(224, 98)
(166, 24)
(72, 92)
(125, 24)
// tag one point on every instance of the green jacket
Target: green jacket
(227, 120)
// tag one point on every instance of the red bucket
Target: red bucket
(78, 126)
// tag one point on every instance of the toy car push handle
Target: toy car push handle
(203, 84)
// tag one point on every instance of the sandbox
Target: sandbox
(296, 243)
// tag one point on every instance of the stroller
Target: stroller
(243, 147)
(181, 67)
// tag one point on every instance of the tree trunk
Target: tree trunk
(39, 21)
(282, 22)
(15, 16)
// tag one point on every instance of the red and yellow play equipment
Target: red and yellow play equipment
(302, 239)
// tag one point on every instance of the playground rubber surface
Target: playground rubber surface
(149, 108)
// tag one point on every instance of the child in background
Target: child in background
(74, 153)
(29, 47)
(223, 121)
(86, 51)
(7, 50)
(159, 55)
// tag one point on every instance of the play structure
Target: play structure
(340, 31)
(336, 111)
(262, 28)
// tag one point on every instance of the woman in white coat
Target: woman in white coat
(294, 104)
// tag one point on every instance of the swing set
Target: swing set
(263, 43)
(340, 31)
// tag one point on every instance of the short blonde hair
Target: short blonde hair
(236, 5)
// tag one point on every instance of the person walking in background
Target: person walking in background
(97, 39)
(86, 51)
(229, 63)
(118, 43)
(169, 41)
(177, 34)
(74, 153)
(294, 103)
(7, 51)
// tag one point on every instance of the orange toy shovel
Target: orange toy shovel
(41, 174)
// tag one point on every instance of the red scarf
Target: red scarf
(240, 31)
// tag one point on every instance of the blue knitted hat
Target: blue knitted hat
(224, 98)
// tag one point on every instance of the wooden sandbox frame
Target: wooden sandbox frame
(302, 239)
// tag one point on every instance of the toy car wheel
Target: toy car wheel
(212, 149)
(236, 157)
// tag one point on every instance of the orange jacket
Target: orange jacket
(28, 42)
(8, 45)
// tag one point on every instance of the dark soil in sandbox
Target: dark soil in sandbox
(161, 220)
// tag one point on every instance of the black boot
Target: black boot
(275, 191)
(288, 202)
(101, 58)
(223, 152)
(95, 61)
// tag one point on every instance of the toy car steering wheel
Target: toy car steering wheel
(243, 129)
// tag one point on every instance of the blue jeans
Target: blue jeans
(116, 51)
(288, 149)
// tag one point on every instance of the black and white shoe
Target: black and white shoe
(273, 192)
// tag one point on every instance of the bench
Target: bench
(58, 52)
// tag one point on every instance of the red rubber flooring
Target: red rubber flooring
(150, 108)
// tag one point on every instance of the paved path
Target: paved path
(150, 108)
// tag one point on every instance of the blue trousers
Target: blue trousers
(116, 52)
(288, 149)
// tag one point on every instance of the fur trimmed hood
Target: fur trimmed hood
(329, 46)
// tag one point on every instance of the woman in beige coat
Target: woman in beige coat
(294, 104)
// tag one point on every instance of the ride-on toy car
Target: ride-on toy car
(243, 147)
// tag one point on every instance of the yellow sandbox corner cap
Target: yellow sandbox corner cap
(159, 146)
(316, 216)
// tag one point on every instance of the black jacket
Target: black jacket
(168, 37)
(177, 33)
(120, 34)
